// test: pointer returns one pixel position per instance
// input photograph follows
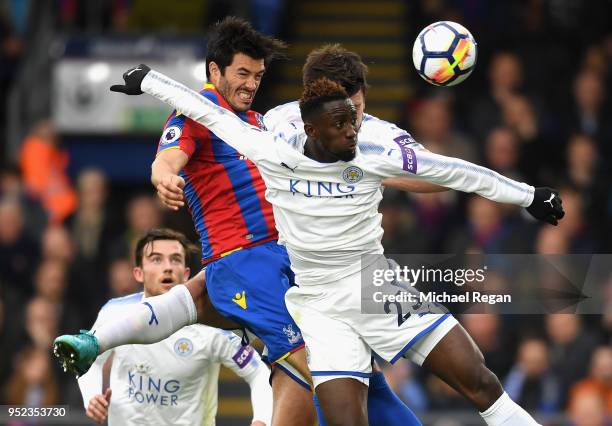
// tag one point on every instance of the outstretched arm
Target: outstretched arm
(454, 173)
(243, 137)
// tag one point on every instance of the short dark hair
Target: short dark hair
(234, 35)
(158, 234)
(337, 64)
(316, 93)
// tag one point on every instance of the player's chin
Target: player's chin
(348, 155)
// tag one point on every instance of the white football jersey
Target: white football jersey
(175, 380)
(327, 213)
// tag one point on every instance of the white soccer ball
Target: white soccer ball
(444, 53)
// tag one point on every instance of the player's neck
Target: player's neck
(314, 149)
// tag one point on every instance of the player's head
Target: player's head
(342, 66)
(329, 119)
(236, 60)
(161, 258)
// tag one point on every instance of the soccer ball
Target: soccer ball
(444, 53)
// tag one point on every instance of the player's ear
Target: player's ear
(186, 274)
(310, 130)
(138, 274)
(214, 71)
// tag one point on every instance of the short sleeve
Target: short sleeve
(182, 133)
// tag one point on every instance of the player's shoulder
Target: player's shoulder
(376, 133)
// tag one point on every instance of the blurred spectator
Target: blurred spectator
(588, 409)
(502, 151)
(57, 244)
(491, 338)
(41, 322)
(551, 240)
(121, 279)
(530, 382)
(574, 224)
(599, 380)
(143, 213)
(90, 225)
(588, 116)
(505, 79)
(581, 161)
(18, 252)
(34, 216)
(400, 377)
(44, 165)
(33, 382)
(571, 349)
(486, 230)
(51, 283)
(432, 126)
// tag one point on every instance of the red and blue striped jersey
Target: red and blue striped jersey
(224, 191)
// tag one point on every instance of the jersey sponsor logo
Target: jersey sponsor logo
(408, 155)
(352, 174)
(292, 336)
(183, 347)
(316, 188)
(240, 299)
(145, 388)
(243, 356)
(171, 134)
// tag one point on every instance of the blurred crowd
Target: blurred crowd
(65, 241)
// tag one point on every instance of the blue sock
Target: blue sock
(385, 408)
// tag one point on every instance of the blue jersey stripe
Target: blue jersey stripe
(240, 177)
(196, 212)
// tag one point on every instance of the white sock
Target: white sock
(150, 321)
(506, 412)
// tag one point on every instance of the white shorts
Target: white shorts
(340, 339)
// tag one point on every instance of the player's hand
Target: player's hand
(546, 205)
(132, 77)
(170, 191)
(258, 423)
(97, 410)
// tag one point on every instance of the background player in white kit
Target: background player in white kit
(325, 191)
(173, 381)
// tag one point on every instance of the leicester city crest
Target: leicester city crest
(352, 174)
(183, 347)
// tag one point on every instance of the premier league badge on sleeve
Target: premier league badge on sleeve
(171, 134)
(352, 174)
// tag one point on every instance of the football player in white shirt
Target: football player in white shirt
(174, 381)
(325, 190)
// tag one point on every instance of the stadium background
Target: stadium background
(75, 162)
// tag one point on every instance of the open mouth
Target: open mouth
(167, 281)
(245, 96)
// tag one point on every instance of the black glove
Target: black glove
(546, 205)
(132, 77)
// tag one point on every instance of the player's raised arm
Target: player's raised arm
(245, 138)
(543, 203)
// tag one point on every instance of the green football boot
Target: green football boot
(76, 352)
